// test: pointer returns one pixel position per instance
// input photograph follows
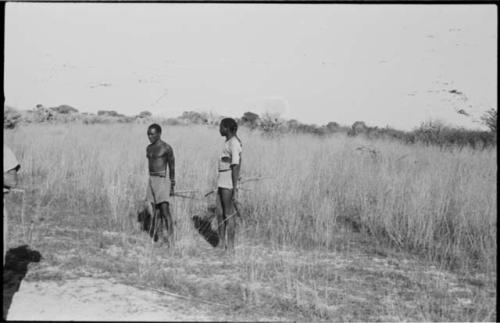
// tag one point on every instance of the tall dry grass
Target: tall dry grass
(441, 204)
(438, 203)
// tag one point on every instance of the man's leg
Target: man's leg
(153, 222)
(221, 224)
(167, 218)
(229, 214)
(231, 229)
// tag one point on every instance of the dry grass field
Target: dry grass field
(336, 228)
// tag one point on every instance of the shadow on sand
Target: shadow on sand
(16, 267)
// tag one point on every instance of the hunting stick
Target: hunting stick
(252, 179)
(243, 181)
(213, 191)
(187, 191)
(186, 197)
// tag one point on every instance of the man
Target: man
(160, 188)
(10, 168)
(227, 182)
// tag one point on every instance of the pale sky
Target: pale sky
(383, 64)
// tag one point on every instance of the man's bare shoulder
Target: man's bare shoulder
(164, 148)
(166, 145)
(159, 144)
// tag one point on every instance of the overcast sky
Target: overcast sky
(395, 65)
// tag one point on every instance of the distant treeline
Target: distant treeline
(430, 133)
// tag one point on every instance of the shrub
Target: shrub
(357, 128)
(109, 113)
(250, 120)
(144, 114)
(489, 119)
(11, 117)
(332, 126)
(64, 109)
(194, 117)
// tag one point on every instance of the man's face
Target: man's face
(222, 130)
(153, 135)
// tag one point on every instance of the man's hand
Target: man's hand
(172, 186)
(234, 196)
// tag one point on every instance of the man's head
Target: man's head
(228, 126)
(154, 133)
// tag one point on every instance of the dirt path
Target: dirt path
(99, 300)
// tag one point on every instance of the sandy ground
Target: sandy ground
(361, 285)
(364, 283)
(92, 299)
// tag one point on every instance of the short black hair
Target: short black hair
(230, 124)
(156, 127)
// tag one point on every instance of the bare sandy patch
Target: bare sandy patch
(92, 299)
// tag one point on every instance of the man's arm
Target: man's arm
(235, 167)
(171, 168)
(235, 174)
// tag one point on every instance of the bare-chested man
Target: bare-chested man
(160, 188)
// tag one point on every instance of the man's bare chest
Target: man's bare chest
(156, 152)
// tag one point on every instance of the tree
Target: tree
(65, 109)
(270, 122)
(194, 117)
(250, 119)
(489, 119)
(145, 114)
(109, 113)
(431, 132)
(332, 126)
(292, 125)
(11, 117)
(357, 128)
